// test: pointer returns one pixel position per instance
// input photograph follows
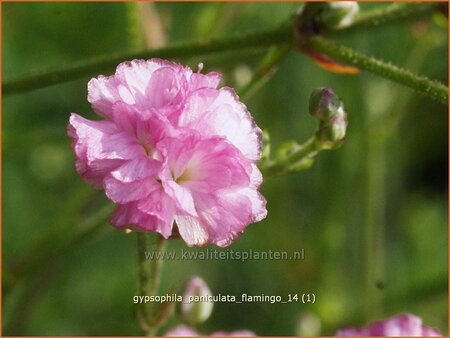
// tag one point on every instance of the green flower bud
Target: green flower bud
(196, 308)
(332, 133)
(329, 109)
(323, 103)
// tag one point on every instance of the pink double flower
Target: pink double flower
(172, 148)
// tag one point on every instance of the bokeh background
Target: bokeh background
(389, 176)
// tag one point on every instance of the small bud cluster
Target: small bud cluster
(317, 17)
(329, 109)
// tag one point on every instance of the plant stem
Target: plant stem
(390, 13)
(107, 63)
(156, 265)
(144, 273)
(149, 275)
(265, 70)
(304, 154)
(261, 39)
(422, 84)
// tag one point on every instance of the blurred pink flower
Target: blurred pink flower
(185, 331)
(196, 312)
(171, 148)
(404, 325)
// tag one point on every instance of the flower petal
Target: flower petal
(90, 139)
(181, 331)
(124, 192)
(403, 325)
(219, 112)
(182, 197)
(159, 204)
(221, 219)
(167, 87)
(209, 80)
(258, 203)
(129, 216)
(192, 231)
(137, 169)
(128, 85)
(216, 164)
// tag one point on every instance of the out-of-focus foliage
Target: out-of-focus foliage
(323, 210)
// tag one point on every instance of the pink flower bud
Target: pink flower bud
(196, 308)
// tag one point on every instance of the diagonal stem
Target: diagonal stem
(265, 70)
(390, 13)
(422, 84)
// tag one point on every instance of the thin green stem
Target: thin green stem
(149, 275)
(328, 109)
(422, 84)
(301, 158)
(256, 40)
(390, 13)
(143, 265)
(265, 70)
(156, 265)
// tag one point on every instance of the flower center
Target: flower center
(186, 176)
(189, 173)
(149, 150)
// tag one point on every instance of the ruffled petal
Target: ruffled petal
(128, 85)
(177, 152)
(216, 164)
(103, 92)
(130, 216)
(204, 164)
(257, 200)
(192, 231)
(221, 220)
(121, 192)
(182, 197)
(403, 325)
(200, 81)
(167, 88)
(91, 144)
(258, 203)
(159, 204)
(137, 169)
(220, 113)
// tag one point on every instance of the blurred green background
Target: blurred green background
(390, 175)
